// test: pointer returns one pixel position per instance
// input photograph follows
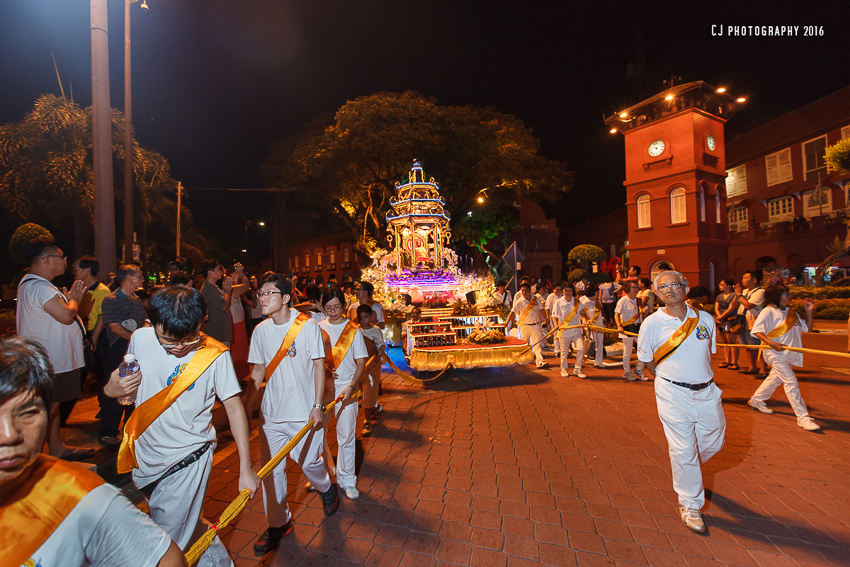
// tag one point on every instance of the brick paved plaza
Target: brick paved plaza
(520, 466)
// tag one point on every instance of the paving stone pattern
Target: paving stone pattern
(523, 467)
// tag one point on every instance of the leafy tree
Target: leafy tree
(586, 254)
(46, 171)
(838, 159)
(354, 159)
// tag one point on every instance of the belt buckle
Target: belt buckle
(695, 387)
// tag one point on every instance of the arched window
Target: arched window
(717, 204)
(333, 257)
(296, 262)
(644, 218)
(677, 206)
(307, 261)
(702, 203)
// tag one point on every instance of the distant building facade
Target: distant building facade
(325, 258)
(783, 206)
(537, 239)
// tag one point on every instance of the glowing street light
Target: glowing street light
(721, 90)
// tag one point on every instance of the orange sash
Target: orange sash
(527, 311)
(670, 345)
(293, 331)
(40, 504)
(335, 355)
(632, 320)
(566, 320)
(153, 407)
(787, 325)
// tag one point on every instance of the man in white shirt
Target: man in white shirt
(173, 454)
(551, 299)
(608, 298)
(593, 311)
(88, 523)
(48, 316)
(675, 344)
(569, 311)
(751, 298)
(503, 294)
(530, 318)
(294, 394)
(365, 291)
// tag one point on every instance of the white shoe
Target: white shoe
(808, 424)
(629, 376)
(762, 407)
(351, 492)
(565, 374)
(541, 365)
(692, 519)
(602, 366)
(580, 374)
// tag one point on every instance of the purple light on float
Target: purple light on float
(425, 280)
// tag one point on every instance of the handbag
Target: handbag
(88, 353)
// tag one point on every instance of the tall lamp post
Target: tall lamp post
(129, 239)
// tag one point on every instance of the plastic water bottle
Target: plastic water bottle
(128, 367)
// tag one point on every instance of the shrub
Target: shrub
(835, 309)
(817, 293)
(24, 234)
(587, 253)
(577, 275)
(600, 278)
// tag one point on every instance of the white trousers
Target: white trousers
(695, 426)
(599, 340)
(307, 453)
(533, 335)
(176, 506)
(628, 347)
(572, 337)
(372, 383)
(346, 434)
(557, 342)
(781, 373)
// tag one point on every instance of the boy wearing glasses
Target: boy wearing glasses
(288, 353)
(171, 452)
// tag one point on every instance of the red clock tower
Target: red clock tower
(675, 181)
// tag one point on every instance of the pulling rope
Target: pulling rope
(239, 502)
(413, 379)
(795, 349)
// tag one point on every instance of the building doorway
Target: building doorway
(659, 266)
(546, 273)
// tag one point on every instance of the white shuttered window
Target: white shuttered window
(643, 215)
(778, 167)
(677, 206)
(736, 181)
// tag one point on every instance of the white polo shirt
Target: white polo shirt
(563, 308)
(348, 365)
(691, 362)
(590, 309)
(536, 315)
(772, 317)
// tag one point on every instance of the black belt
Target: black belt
(537, 323)
(694, 387)
(148, 489)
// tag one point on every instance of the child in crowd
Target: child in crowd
(375, 347)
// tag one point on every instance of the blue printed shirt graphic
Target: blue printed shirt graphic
(177, 372)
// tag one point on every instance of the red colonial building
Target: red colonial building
(537, 238)
(675, 179)
(784, 206)
(325, 258)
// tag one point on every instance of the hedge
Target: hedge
(837, 309)
(818, 293)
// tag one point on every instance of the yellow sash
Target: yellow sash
(153, 407)
(527, 311)
(40, 504)
(632, 320)
(670, 345)
(293, 331)
(787, 325)
(566, 320)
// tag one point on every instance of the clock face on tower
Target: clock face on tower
(656, 148)
(709, 141)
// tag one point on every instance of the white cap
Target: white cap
(129, 358)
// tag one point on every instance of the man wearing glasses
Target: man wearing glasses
(675, 344)
(123, 313)
(288, 353)
(49, 317)
(173, 449)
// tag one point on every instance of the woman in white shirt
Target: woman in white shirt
(628, 317)
(347, 339)
(778, 326)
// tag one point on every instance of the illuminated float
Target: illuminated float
(420, 264)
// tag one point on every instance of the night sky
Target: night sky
(216, 82)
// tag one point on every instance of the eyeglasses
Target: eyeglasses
(172, 344)
(262, 294)
(670, 286)
(333, 308)
(64, 258)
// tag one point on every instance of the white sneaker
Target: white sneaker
(762, 407)
(351, 492)
(692, 519)
(541, 364)
(629, 376)
(808, 424)
(565, 374)
(580, 374)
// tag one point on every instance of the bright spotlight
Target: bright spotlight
(741, 99)
(721, 90)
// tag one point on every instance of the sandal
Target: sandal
(109, 441)
(723, 365)
(75, 453)
(749, 372)
(734, 367)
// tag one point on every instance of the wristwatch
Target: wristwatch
(317, 406)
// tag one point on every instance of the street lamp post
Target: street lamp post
(128, 131)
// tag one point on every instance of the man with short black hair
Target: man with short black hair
(55, 513)
(364, 297)
(751, 299)
(675, 344)
(169, 440)
(49, 317)
(123, 313)
(220, 324)
(530, 318)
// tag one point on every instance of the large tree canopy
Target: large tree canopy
(46, 172)
(353, 160)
